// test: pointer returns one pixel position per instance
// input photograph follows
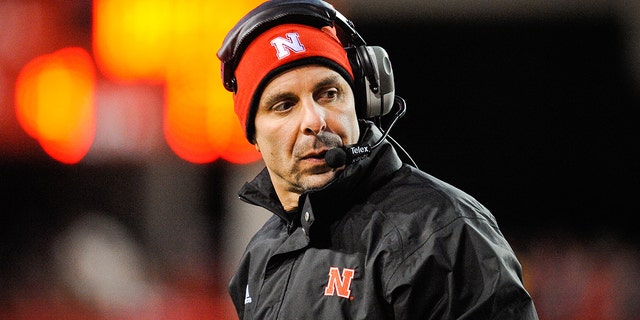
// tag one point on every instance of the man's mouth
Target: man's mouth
(319, 155)
(315, 155)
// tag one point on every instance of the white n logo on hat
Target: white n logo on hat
(285, 46)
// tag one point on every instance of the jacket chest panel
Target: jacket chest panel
(311, 283)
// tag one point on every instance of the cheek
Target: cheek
(349, 123)
(355, 125)
(270, 139)
(265, 148)
(263, 134)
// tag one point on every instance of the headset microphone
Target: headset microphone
(346, 155)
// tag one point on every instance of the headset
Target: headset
(374, 87)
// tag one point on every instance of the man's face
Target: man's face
(302, 113)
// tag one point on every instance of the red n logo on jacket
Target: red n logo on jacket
(340, 285)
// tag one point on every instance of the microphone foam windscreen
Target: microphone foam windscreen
(335, 157)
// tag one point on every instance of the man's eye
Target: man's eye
(282, 106)
(329, 94)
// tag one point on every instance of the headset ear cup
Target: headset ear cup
(374, 86)
(380, 100)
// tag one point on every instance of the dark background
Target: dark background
(535, 119)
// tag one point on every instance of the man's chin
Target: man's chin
(319, 179)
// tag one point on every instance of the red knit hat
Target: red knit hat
(276, 50)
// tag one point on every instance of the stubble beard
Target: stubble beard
(319, 176)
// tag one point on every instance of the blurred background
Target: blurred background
(120, 156)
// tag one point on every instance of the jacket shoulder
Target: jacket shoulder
(413, 196)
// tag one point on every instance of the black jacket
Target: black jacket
(382, 241)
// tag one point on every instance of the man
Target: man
(372, 238)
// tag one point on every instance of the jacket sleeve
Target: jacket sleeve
(466, 270)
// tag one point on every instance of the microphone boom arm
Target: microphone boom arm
(346, 155)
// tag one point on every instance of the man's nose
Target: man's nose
(313, 118)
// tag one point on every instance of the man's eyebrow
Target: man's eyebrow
(329, 80)
(273, 98)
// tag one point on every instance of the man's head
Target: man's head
(277, 50)
(296, 87)
(295, 96)
(371, 70)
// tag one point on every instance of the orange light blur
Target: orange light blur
(185, 126)
(226, 134)
(55, 103)
(131, 38)
(176, 41)
(194, 85)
